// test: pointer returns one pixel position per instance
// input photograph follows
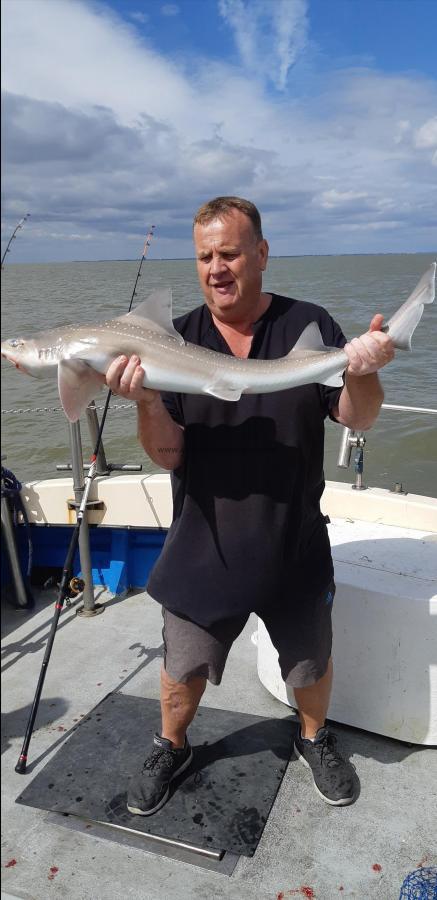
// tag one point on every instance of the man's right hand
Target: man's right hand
(125, 378)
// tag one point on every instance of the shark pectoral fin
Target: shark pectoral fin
(222, 390)
(77, 384)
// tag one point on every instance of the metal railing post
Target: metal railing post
(93, 428)
(350, 438)
(84, 538)
(22, 594)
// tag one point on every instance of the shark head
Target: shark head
(23, 354)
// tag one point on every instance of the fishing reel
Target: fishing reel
(76, 586)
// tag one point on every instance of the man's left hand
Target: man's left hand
(371, 351)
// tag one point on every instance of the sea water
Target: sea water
(401, 447)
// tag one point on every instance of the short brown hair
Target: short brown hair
(222, 206)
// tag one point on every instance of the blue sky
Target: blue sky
(119, 114)
(394, 35)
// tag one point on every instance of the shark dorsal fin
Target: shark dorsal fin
(155, 312)
(310, 339)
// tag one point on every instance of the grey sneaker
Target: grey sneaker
(335, 779)
(149, 790)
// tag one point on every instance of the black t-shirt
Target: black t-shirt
(247, 530)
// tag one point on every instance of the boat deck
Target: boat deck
(307, 848)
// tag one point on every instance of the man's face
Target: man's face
(230, 263)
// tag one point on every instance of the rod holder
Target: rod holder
(349, 440)
(359, 466)
(344, 455)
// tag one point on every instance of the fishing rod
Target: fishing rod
(145, 249)
(67, 569)
(134, 292)
(13, 235)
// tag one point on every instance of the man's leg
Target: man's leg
(191, 655)
(179, 704)
(302, 635)
(313, 702)
(334, 777)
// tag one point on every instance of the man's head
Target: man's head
(231, 256)
(221, 207)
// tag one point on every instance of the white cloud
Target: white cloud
(370, 226)
(101, 152)
(402, 129)
(291, 25)
(139, 16)
(170, 9)
(333, 198)
(94, 59)
(269, 35)
(426, 135)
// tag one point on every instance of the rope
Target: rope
(51, 409)
(11, 490)
(117, 406)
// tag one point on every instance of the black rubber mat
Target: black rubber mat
(221, 802)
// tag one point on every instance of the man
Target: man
(247, 532)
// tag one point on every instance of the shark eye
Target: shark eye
(16, 342)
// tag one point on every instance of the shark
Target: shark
(81, 354)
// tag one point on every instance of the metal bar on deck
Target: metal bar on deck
(172, 842)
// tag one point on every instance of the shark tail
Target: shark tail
(403, 323)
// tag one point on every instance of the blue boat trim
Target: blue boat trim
(122, 558)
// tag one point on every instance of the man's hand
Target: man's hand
(125, 378)
(371, 351)
(160, 436)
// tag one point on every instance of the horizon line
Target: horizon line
(192, 258)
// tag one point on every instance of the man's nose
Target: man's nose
(217, 264)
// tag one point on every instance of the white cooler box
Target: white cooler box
(385, 631)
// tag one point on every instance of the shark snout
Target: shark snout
(15, 363)
(12, 358)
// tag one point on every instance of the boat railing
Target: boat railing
(351, 439)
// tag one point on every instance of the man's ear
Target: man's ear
(264, 254)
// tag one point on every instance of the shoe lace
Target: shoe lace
(328, 751)
(159, 758)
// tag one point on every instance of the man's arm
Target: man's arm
(161, 437)
(361, 398)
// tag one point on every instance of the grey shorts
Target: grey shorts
(301, 633)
